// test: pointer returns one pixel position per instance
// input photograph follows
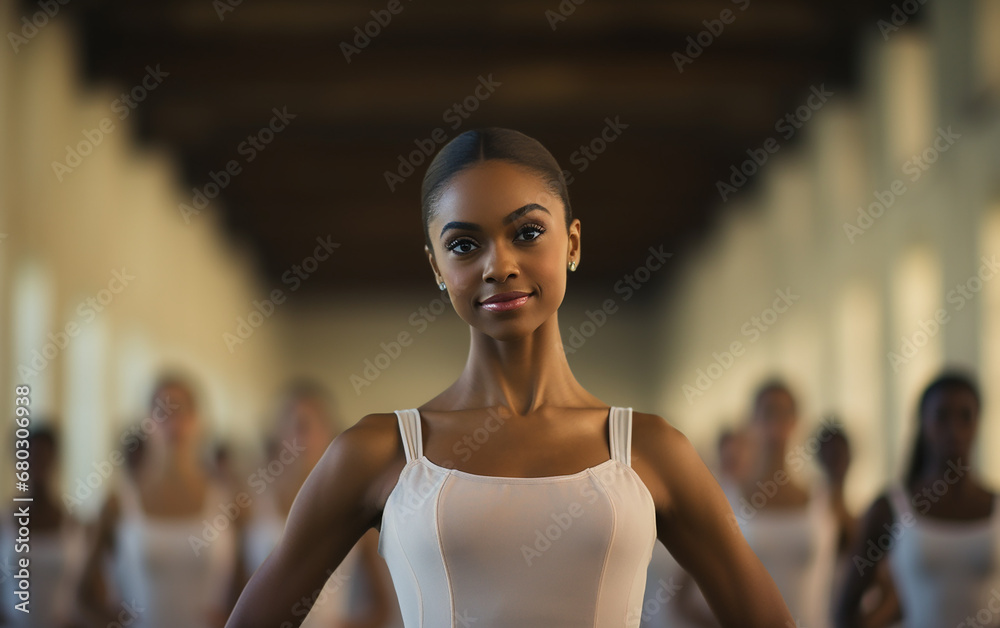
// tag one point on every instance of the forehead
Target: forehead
(494, 189)
(176, 393)
(303, 405)
(951, 394)
(774, 396)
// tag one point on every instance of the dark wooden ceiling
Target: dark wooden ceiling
(325, 174)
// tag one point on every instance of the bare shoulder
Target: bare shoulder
(375, 426)
(370, 452)
(374, 441)
(653, 437)
(661, 455)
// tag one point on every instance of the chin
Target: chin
(509, 330)
(506, 335)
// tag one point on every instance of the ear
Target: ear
(433, 262)
(573, 247)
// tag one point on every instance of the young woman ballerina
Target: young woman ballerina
(938, 529)
(538, 526)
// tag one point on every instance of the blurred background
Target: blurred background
(232, 189)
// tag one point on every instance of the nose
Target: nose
(500, 265)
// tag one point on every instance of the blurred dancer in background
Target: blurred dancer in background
(881, 604)
(173, 551)
(793, 531)
(56, 549)
(734, 460)
(835, 459)
(939, 528)
(359, 593)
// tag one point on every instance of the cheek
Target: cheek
(968, 430)
(190, 426)
(937, 432)
(550, 271)
(466, 278)
(553, 285)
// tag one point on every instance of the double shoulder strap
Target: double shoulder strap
(619, 433)
(409, 428)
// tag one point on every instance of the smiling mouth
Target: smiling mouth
(505, 304)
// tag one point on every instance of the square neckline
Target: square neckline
(946, 526)
(517, 480)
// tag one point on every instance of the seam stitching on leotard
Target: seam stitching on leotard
(444, 559)
(419, 454)
(611, 539)
(413, 574)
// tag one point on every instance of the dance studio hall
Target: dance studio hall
(724, 354)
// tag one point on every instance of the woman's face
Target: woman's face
(304, 421)
(775, 417)
(498, 229)
(949, 421)
(179, 418)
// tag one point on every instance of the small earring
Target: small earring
(572, 266)
(442, 286)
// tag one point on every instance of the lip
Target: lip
(505, 301)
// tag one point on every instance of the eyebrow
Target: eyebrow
(509, 218)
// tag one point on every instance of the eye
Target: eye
(455, 244)
(532, 228)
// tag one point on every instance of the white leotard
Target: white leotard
(797, 546)
(164, 572)
(262, 531)
(496, 552)
(945, 572)
(55, 564)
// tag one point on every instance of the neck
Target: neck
(521, 375)
(770, 461)
(836, 488)
(179, 463)
(956, 472)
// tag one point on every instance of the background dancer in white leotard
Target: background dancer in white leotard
(359, 593)
(941, 525)
(792, 530)
(689, 608)
(562, 487)
(56, 550)
(146, 529)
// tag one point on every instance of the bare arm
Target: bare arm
(695, 522)
(92, 592)
(376, 613)
(862, 573)
(336, 505)
(887, 611)
(686, 605)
